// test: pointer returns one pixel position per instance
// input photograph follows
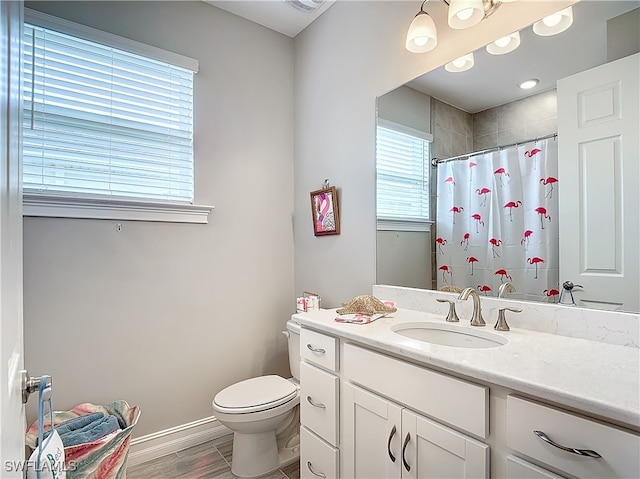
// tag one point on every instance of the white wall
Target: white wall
(165, 315)
(351, 54)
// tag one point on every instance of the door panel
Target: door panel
(599, 170)
(11, 340)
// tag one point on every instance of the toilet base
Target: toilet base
(257, 454)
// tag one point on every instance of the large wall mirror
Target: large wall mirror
(483, 112)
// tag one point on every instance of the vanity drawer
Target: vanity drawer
(317, 458)
(618, 448)
(444, 398)
(318, 348)
(319, 402)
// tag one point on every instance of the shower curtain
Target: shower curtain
(497, 221)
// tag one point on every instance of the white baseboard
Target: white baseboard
(168, 441)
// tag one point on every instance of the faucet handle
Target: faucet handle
(501, 324)
(452, 316)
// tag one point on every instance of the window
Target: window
(402, 178)
(105, 121)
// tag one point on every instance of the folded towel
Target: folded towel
(75, 423)
(91, 432)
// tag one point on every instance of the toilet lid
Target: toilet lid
(256, 394)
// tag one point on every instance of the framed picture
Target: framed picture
(324, 209)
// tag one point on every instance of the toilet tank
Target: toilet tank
(293, 333)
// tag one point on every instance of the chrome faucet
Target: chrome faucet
(506, 288)
(476, 319)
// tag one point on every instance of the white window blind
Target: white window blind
(103, 122)
(402, 171)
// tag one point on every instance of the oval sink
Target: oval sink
(449, 335)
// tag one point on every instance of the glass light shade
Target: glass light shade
(421, 36)
(461, 64)
(465, 13)
(554, 24)
(505, 44)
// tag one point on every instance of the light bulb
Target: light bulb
(552, 20)
(420, 41)
(526, 85)
(465, 14)
(459, 62)
(503, 42)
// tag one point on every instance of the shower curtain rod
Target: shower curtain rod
(436, 161)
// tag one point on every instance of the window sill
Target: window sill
(113, 209)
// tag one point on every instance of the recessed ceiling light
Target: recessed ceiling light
(526, 85)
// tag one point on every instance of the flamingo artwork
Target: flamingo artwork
(531, 153)
(550, 180)
(450, 180)
(472, 260)
(525, 238)
(551, 294)
(454, 210)
(465, 241)
(511, 205)
(471, 165)
(483, 192)
(484, 288)
(542, 211)
(445, 270)
(503, 274)
(478, 220)
(502, 172)
(534, 261)
(441, 242)
(494, 244)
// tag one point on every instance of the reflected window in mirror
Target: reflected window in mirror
(402, 177)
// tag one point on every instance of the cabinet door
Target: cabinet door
(372, 429)
(430, 450)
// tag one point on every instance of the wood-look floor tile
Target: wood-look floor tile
(292, 471)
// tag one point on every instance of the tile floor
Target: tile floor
(206, 461)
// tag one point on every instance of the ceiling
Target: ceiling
(494, 79)
(277, 15)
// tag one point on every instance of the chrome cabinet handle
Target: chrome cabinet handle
(318, 474)
(315, 350)
(391, 434)
(572, 450)
(404, 448)
(315, 404)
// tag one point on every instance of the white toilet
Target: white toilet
(264, 416)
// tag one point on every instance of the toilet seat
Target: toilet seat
(255, 394)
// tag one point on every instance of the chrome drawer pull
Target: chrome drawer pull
(315, 404)
(404, 447)
(391, 434)
(318, 474)
(579, 452)
(315, 350)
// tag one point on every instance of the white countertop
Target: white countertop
(595, 377)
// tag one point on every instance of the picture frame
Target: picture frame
(325, 211)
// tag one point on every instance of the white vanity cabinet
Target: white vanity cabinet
(319, 405)
(383, 439)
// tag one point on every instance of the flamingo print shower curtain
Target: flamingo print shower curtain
(497, 221)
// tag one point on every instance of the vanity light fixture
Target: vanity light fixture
(554, 24)
(505, 44)
(422, 36)
(461, 64)
(528, 84)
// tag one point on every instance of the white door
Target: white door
(599, 171)
(12, 422)
(372, 445)
(431, 450)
